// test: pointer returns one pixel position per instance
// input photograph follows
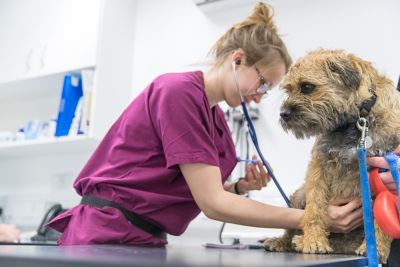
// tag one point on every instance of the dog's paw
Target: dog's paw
(383, 242)
(361, 250)
(383, 255)
(383, 252)
(308, 245)
(277, 244)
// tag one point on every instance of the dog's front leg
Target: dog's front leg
(315, 221)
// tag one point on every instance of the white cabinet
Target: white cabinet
(71, 41)
(43, 40)
(44, 36)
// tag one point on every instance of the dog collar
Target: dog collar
(367, 105)
(365, 108)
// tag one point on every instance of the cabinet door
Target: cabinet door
(16, 39)
(44, 36)
(72, 43)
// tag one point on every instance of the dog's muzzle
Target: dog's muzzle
(286, 115)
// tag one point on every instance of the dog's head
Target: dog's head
(325, 91)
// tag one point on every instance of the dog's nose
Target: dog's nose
(286, 114)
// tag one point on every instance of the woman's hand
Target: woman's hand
(9, 233)
(386, 177)
(345, 215)
(256, 177)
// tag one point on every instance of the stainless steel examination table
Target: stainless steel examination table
(176, 256)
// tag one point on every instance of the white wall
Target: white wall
(173, 35)
(30, 185)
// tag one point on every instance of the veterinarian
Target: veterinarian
(387, 179)
(168, 156)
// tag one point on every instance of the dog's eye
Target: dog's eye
(307, 88)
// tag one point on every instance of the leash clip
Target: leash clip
(365, 141)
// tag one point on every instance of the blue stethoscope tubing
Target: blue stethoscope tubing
(253, 136)
(254, 139)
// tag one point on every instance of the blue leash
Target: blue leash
(253, 136)
(369, 230)
(392, 160)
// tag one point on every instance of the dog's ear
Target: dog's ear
(348, 75)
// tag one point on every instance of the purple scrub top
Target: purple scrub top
(137, 164)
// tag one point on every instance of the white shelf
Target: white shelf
(47, 147)
(35, 85)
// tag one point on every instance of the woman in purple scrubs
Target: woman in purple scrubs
(169, 154)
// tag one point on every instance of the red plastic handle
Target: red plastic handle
(385, 206)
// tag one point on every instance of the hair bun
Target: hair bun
(258, 36)
(262, 14)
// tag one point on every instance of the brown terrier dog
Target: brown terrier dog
(328, 91)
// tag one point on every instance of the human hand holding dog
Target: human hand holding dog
(256, 177)
(345, 215)
(386, 177)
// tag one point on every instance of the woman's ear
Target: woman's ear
(239, 56)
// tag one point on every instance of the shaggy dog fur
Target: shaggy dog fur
(326, 92)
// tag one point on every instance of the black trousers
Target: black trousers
(394, 257)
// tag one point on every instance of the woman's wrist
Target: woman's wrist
(236, 188)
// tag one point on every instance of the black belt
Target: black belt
(129, 215)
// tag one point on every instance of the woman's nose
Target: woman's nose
(257, 98)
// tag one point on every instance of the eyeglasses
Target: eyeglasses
(265, 86)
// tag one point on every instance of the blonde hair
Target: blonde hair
(257, 35)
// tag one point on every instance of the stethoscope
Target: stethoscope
(252, 132)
